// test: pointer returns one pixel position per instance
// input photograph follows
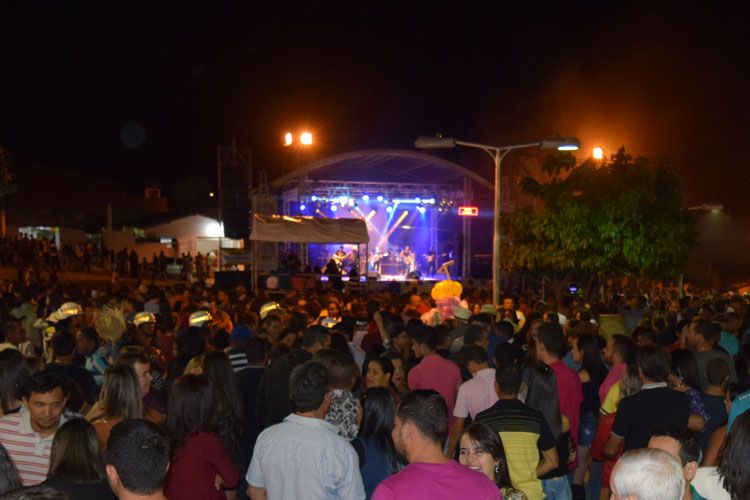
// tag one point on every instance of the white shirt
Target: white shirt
(709, 484)
(305, 459)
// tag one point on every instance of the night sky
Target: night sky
(144, 92)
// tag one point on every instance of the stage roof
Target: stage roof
(384, 165)
(308, 229)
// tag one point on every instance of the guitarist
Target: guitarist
(407, 257)
(339, 257)
(431, 258)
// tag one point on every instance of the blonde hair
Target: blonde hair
(194, 366)
(110, 324)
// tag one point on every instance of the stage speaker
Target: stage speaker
(414, 275)
(235, 202)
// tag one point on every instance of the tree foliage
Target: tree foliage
(602, 219)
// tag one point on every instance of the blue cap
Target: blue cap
(241, 333)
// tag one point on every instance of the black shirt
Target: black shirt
(638, 415)
(81, 491)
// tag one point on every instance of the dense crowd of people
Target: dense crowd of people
(191, 392)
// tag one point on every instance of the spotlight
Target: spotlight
(365, 197)
(389, 209)
(380, 197)
(302, 207)
(334, 208)
(313, 198)
(418, 199)
(421, 209)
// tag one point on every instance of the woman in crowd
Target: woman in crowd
(398, 380)
(14, 373)
(9, 478)
(480, 448)
(731, 479)
(77, 462)
(586, 353)
(543, 397)
(685, 378)
(200, 469)
(227, 413)
(374, 444)
(120, 399)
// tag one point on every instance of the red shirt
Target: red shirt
(192, 472)
(435, 372)
(570, 394)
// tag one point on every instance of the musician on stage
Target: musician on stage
(339, 257)
(431, 257)
(407, 256)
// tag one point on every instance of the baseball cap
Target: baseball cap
(241, 333)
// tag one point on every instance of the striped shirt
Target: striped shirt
(26, 448)
(523, 432)
(237, 359)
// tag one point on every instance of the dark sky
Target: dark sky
(145, 91)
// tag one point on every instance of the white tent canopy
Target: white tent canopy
(308, 229)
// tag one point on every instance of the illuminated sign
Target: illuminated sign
(471, 211)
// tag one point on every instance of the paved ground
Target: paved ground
(95, 277)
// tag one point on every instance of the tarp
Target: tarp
(308, 229)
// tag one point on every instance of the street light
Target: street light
(707, 207)
(498, 153)
(305, 138)
(598, 154)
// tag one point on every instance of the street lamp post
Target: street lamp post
(498, 153)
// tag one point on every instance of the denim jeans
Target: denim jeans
(557, 488)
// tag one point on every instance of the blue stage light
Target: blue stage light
(421, 210)
(365, 197)
(389, 209)
(313, 198)
(380, 197)
(302, 207)
(334, 208)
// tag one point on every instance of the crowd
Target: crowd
(30, 256)
(189, 392)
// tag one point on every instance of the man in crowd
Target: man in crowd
(27, 435)
(84, 391)
(274, 403)
(421, 423)
(433, 371)
(530, 447)
(135, 358)
(683, 445)
(619, 352)
(304, 457)
(474, 395)
(549, 345)
(654, 406)
(702, 340)
(647, 474)
(137, 460)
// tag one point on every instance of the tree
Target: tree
(601, 219)
(7, 187)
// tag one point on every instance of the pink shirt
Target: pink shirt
(435, 372)
(476, 395)
(570, 393)
(451, 480)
